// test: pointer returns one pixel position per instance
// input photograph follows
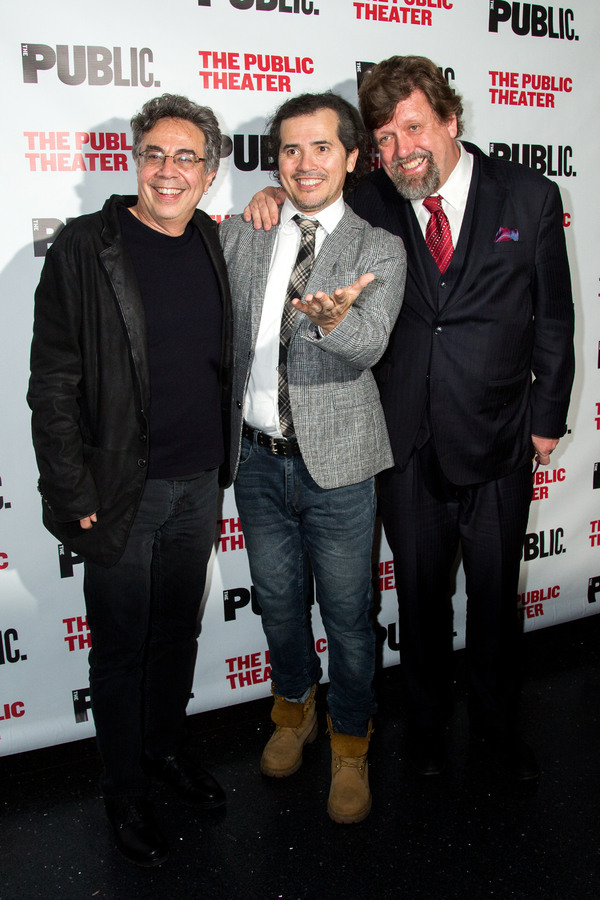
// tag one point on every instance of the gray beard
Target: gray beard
(417, 188)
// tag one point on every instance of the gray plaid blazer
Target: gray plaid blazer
(336, 410)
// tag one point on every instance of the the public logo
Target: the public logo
(551, 160)
(4, 504)
(543, 544)
(533, 20)
(221, 70)
(93, 65)
(9, 652)
(81, 704)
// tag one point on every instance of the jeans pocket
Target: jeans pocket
(246, 451)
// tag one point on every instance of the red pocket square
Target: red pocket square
(506, 234)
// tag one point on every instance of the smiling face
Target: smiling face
(418, 151)
(313, 162)
(168, 196)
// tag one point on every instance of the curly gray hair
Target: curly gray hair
(175, 106)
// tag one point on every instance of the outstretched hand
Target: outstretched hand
(328, 311)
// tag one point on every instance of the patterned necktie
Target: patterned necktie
(298, 281)
(438, 236)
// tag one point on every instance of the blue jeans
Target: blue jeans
(287, 520)
(142, 614)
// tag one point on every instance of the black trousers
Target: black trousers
(425, 517)
(142, 613)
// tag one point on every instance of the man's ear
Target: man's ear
(351, 160)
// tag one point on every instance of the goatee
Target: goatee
(413, 187)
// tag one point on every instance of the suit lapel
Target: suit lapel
(119, 267)
(417, 252)
(327, 259)
(488, 203)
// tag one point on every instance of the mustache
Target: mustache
(398, 163)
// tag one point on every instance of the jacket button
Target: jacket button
(143, 438)
(438, 330)
(141, 463)
(238, 404)
(443, 284)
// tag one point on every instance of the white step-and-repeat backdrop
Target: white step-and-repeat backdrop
(73, 75)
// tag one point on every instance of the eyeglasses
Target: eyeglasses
(156, 159)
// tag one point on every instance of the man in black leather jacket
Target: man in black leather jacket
(130, 394)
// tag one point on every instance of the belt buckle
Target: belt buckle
(279, 447)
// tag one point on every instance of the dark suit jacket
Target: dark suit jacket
(469, 341)
(90, 383)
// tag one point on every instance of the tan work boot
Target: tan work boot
(296, 726)
(350, 796)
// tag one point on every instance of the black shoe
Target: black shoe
(426, 749)
(136, 833)
(189, 782)
(510, 753)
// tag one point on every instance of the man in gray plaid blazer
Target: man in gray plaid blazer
(315, 300)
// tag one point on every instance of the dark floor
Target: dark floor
(468, 834)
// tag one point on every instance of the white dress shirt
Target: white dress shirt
(454, 195)
(261, 405)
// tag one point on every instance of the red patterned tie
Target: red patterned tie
(437, 235)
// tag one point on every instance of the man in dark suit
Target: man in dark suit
(130, 394)
(487, 304)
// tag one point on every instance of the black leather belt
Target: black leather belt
(278, 446)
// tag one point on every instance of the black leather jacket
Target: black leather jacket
(89, 390)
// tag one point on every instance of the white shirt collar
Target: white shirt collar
(328, 218)
(456, 188)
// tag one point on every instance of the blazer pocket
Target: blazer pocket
(511, 246)
(507, 382)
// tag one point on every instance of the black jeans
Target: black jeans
(142, 614)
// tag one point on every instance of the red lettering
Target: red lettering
(17, 709)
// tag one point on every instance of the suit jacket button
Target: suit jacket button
(442, 284)
(438, 330)
(141, 463)
(238, 404)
